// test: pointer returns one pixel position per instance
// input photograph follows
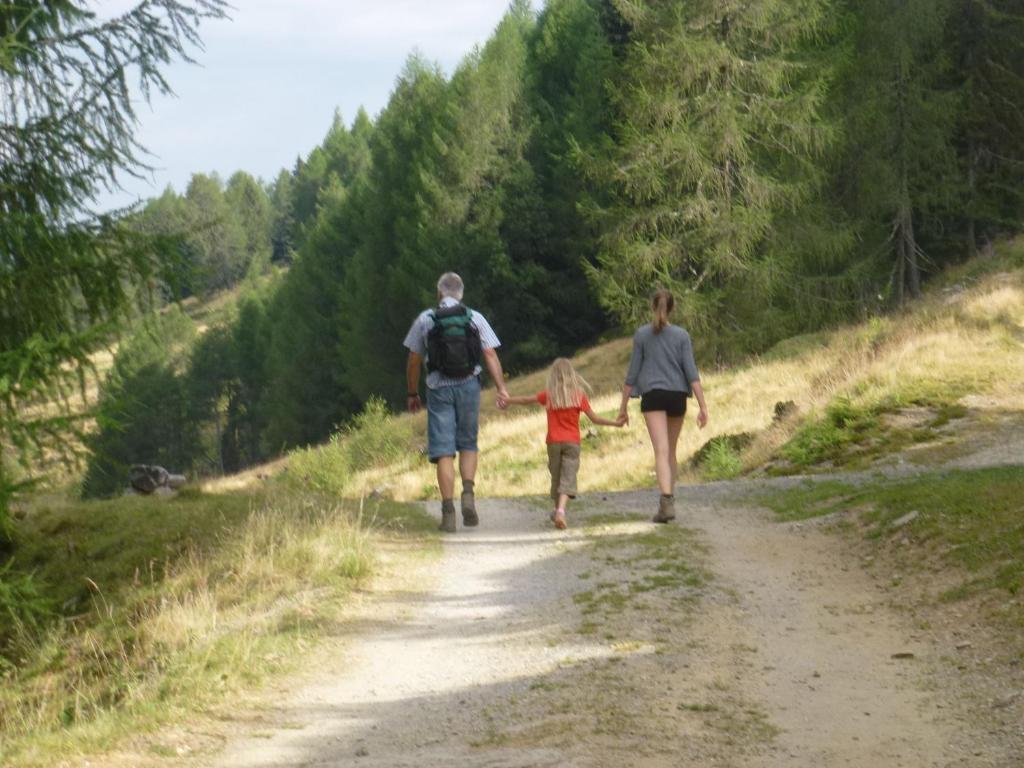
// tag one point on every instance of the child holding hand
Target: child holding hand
(565, 398)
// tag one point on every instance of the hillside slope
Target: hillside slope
(949, 367)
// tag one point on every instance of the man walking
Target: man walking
(453, 340)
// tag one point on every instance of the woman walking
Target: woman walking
(663, 373)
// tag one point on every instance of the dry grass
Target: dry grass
(965, 342)
(245, 479)
(170, 627)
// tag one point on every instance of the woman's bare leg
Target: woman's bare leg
(657, 428)
(675, 426)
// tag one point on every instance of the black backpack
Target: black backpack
(453, 344)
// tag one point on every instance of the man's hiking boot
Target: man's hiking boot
(447, 516)
(469, 515)
(666, 509)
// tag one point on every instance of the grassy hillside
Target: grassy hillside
(122, 616)
(951, 364)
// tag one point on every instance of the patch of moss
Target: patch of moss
(808, 500)
(853, 435)
(976, 516)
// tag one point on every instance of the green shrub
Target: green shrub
(7, 490)
(797, 346)
(375, 436)
(323, 468)
(722, 462)
(719, 457)
(24, 610)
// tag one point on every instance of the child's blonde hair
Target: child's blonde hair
(565, 386)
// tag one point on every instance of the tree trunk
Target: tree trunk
(220, 439)
(901, 265)
(972, 170)
(913, 268)
(906, 245)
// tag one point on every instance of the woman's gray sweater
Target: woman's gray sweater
(661, 360)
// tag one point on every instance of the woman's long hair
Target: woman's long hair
(565, 386)
(662, 303)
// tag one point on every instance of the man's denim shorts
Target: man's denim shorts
(453, 418)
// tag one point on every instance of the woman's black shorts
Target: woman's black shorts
(672, 403)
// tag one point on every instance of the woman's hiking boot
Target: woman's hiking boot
(447, 516)
(469, 515)
(666, 509)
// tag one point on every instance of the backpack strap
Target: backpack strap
(465, 311)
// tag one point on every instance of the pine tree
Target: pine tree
(305, 397)
(215, 234)
(242, 444)
(899, 168)
(347, 151)
(67, 122)
(249, 205)
(308, 177)
(165, 219)
(570, 61)
(282, 238)
(226, 382)
(486, 181)
(616, 29)
(987, 40)
(209, 383)
(395, 264)
(719, 130)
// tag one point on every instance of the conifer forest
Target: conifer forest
(782, 165)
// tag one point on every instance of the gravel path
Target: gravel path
(825, 642)
(419, 686)
(784, 658)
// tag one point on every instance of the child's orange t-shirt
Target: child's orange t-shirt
(563, 423)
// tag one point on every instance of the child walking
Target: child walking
(565, 398)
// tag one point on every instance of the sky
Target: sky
(268, 82)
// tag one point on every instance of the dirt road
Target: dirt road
(726, 640)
